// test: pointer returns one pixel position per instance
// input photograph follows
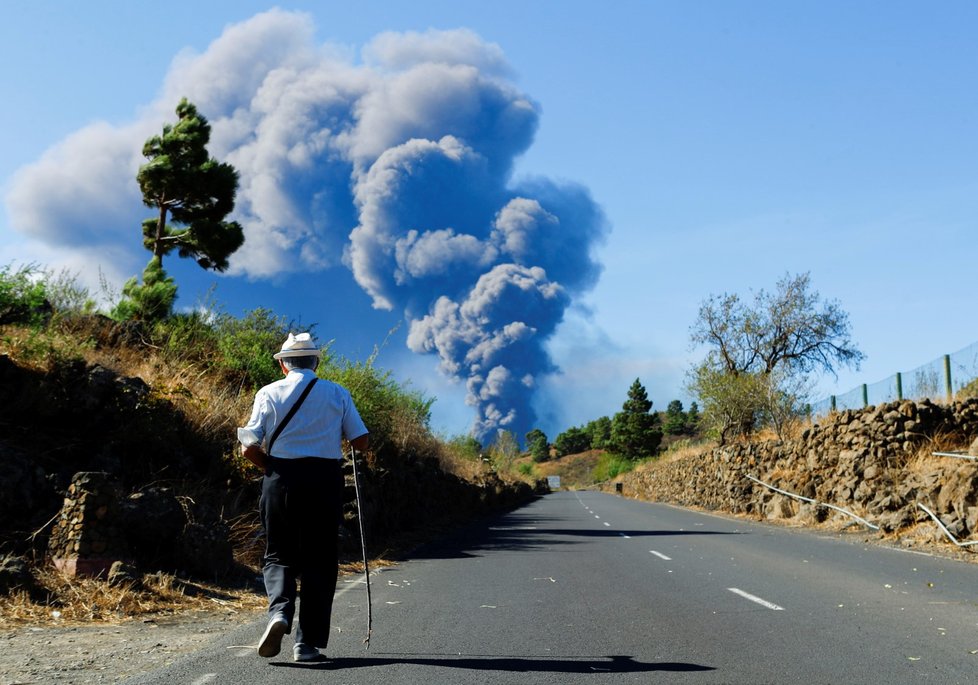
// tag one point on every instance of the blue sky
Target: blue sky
(724, 143)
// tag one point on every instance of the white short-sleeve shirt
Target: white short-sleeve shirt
(316, 430)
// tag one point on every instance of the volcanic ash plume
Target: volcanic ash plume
(398, 166)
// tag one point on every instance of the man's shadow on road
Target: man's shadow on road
(608, 664)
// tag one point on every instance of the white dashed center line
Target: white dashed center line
(660, 555)
(756, 600)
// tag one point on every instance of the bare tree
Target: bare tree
(789, 328)
(777, 339)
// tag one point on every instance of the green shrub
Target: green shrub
(246, 345)
(67, 296)
(23, 295)
(189, 337)
(465, 447)
(611, 465)
(389, 410)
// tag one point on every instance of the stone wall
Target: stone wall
(404, 493)
(86, 538)
(97, 526)
(873, 462)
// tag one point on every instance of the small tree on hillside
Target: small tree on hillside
(504, 450)
(151, 301)
(635, 433)
(194, 191)
(538, 445)
(730, 401)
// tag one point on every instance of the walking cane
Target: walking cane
(363, 545)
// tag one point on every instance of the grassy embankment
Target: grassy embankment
(202, 368)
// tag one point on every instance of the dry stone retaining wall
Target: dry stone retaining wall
(866, 461)
(86, 538)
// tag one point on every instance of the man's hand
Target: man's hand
(360, 444)
(256, 455)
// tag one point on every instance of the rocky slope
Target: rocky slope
(876, 463)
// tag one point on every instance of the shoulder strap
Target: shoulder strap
(292, 411)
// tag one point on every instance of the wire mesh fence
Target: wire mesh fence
(941, 380)
(964, 371)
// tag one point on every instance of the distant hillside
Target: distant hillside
(575, 470)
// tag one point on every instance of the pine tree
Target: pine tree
(599, 431)
(692, 418)
(151, 301)
(538, 445)
(675, 422)
(635, 433)
(196, 192)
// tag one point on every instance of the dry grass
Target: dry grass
(791, 479)
(209, 404)
(575, 470)
(923, 460)
(351, 567)
(39, 352)
(246, 538)
(62, 600)
(686, 449)
(457, 464)
(212, 407)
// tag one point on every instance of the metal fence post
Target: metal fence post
(865, 396)
(832, 402)
(899, 379)
(947, 377)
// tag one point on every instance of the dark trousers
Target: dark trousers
(301, 507)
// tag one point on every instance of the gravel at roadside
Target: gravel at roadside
(105, 653)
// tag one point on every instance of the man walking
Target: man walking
(295, 435)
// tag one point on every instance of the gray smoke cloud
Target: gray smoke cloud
(397, 165)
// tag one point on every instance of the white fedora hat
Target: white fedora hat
(301, 345)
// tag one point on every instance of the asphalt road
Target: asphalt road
(584, 587)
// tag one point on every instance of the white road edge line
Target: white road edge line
(660, 555)
(756, 600)
(353, 582)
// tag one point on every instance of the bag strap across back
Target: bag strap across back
(292, 411)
